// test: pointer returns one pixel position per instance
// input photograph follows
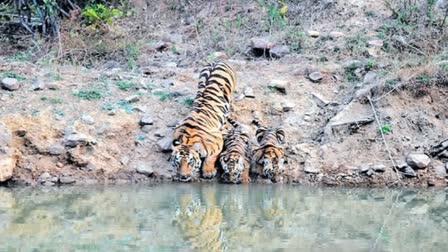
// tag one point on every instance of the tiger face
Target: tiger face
(272, 162)
(186, 160)
(271, 154)
(233, 166)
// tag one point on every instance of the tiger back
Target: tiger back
(235, 157)
(270, 152)
(199, 136)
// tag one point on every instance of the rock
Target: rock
(313, 34)
(279, 51)
(400, 165)
(37, 84)
(56, 149)
(144, 169)
(257, 115)
(87, 119)
(76, 139)
(439, 169)
(10, 84)
(364, 168)
(146, 128)
(76, 157)
(146, 120)
(379, 168)
(249, 92)
(261, 43)
(159, 134)
(336, 34)
(220, 55)
(418, 160)
(8, 163)
(171, 64)
(287, 106)
(66, 179)
(370, 172)
(165, 143)
(378, 43)
(311, 169)
(124, 160)
(279, 85)
(139, 108)
(371, 77)
(45, 176)
(112, 112)
(446, 167)
(320, 100)
(315, 76)
(132, 98)
(5, 135)
(167, 83)
(409, 172)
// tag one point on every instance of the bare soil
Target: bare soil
(333, 137)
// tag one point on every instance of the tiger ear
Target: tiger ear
(280, 134)
(260, 134)
(199, 148)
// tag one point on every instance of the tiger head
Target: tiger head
(186, 159)
(271, 154)
(233, 165)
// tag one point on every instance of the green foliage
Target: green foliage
(99, 14)
(356, 44)
(52, 100)
(9, 74)
(386, 128)
(124, 85)
(188, 101)
(163, 95)
(89, 94)
(371, 64)
(350, 73)
(132, 54)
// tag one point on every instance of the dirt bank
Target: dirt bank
(72, 124)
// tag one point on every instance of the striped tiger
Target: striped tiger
(199, 136)
(270, 151)
(235, 157)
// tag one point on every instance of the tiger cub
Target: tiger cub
(235, 157)
(199, 136)
(270, 151)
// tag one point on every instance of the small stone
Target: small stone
(409, 172)
(5, 135)
(76, 139)
(249, 92)
(220, 55)
(279, 51)
(400, 165)
(261, 43)
(87, 119)
(56, 149)
(311, 169)
(53, 86)
(146, 128)
(112, 112)
(279, 85)
(139, 108)
(364, 168)
(172, 124)
(320, 100)
(144, 169)
(287, 106)
(370, 172)
(313, 34)
(48, 183)
(315, 76)
(375, 43)
(132, 98)
(146, 120)
(439, 169)
(336, 34)
(171, 64)
(167, 83)
(59, 164)
(7, 165)
(66, 179)
(371, 77)
(45, 176)
(124, 160)
(37, 84)
(159, 134)
(10, 84)
(257, 115)
(165, 144)
(418, 160)
(379, 168)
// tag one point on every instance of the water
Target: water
(221, 217)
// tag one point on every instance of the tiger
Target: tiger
(235, 157)
(270, 151)
(199, 136)
(200, 219)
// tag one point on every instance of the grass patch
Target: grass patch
(163, 95)
(188, 101)
(52, 100)
(350, 73)
(9, 74)
(124, 85)
(88, 94)
(386, 128)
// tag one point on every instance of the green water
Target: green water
(221, 217)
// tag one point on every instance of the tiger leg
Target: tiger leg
(208, 168)
(245, 176)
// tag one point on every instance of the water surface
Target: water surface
(221, 217)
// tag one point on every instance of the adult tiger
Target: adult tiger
(199, 136)
(270, 152)
(235, 157)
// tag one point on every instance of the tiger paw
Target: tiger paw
(209, 174)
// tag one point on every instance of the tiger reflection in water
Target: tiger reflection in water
(199, 218)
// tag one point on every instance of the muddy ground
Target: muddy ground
(74, 124)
